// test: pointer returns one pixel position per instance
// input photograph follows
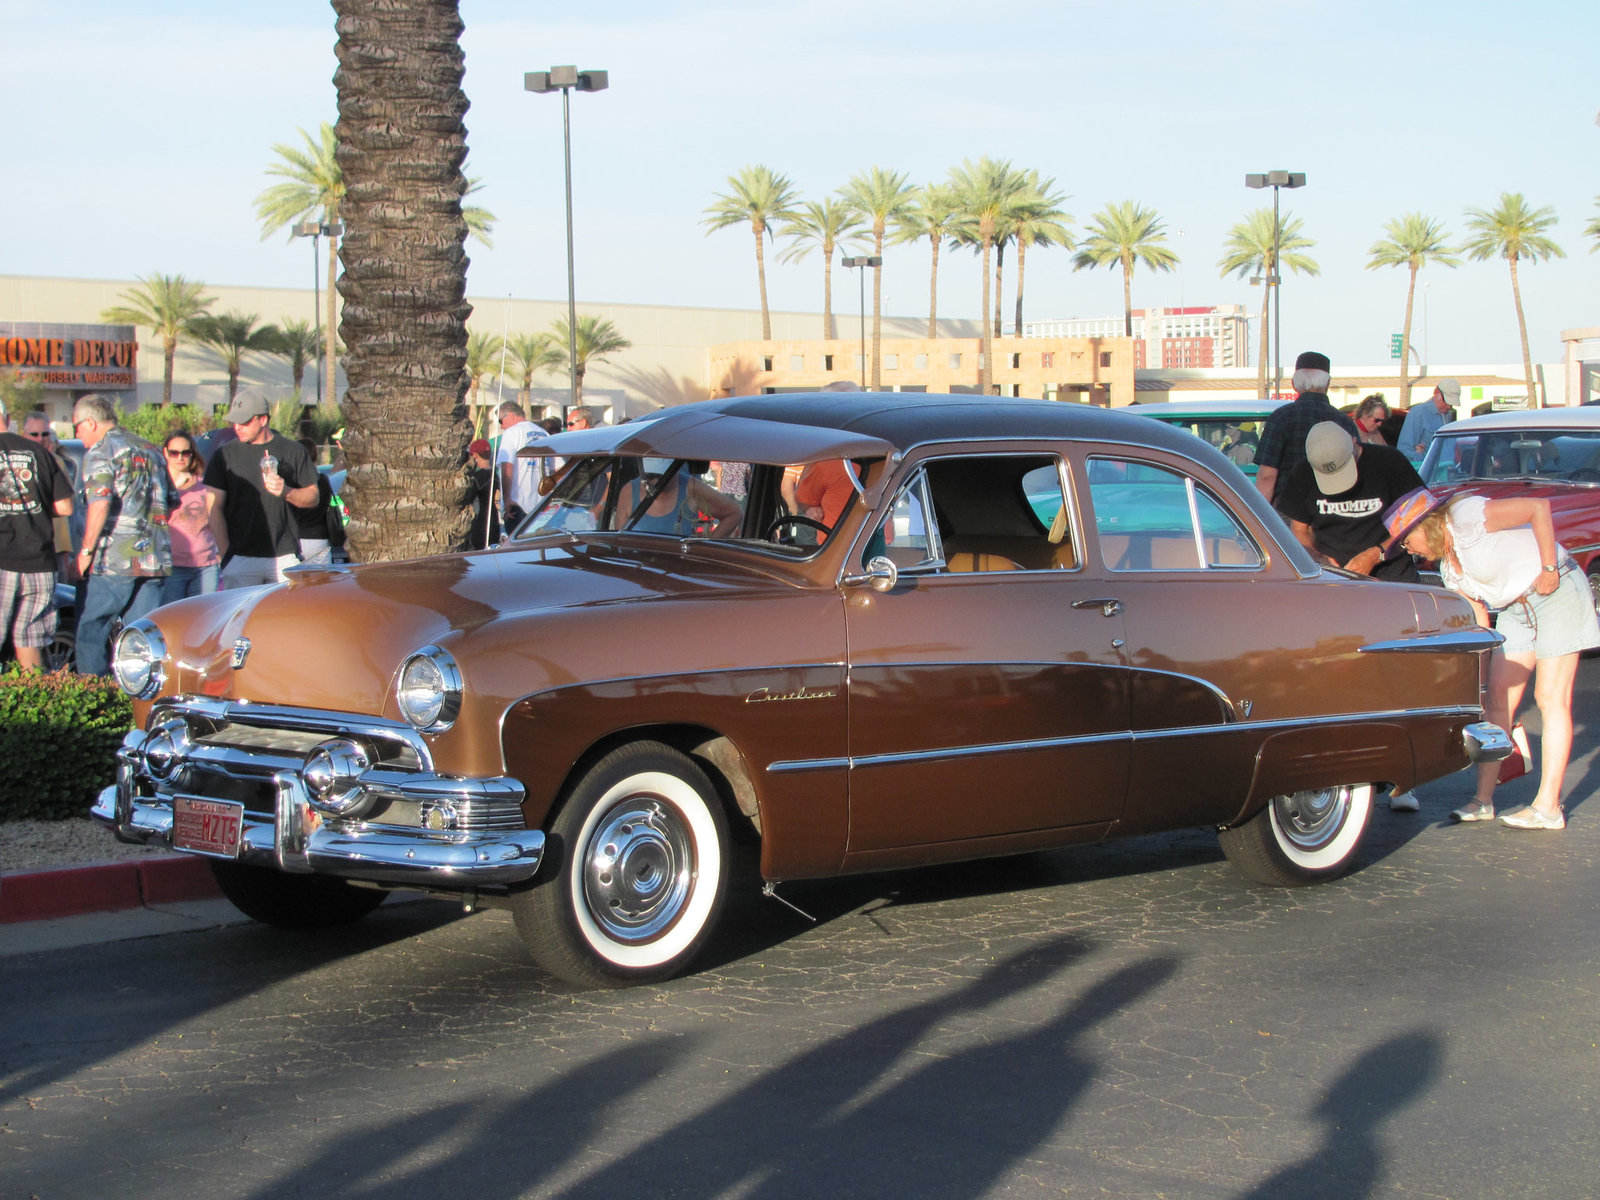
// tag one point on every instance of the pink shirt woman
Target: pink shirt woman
(199, 537)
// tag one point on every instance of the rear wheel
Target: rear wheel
(641, 858)
(1304, 837)
(293, 901)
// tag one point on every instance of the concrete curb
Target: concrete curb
(105, 887)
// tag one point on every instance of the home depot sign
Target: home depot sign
(75, 357)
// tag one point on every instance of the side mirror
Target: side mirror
(881, 575)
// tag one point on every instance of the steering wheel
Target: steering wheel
(794, 519)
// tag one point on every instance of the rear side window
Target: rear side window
(1152, 518)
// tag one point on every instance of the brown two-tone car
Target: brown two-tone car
(992, 626)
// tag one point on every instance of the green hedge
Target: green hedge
(59, 735)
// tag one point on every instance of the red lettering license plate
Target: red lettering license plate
(207, 826)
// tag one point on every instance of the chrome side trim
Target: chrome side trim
(791, 766)
(1452, 642)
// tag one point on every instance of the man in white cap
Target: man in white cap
(259, 475)
(1424, 420)
(1335, 500)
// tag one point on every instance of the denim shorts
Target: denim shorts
(1563, 622)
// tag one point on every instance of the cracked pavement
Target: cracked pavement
(1132, 1019)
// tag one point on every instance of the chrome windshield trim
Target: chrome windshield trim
(1453, 641)
(792, 766)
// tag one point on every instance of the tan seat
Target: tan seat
(980, 562)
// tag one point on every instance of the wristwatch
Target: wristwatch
(1548, 567)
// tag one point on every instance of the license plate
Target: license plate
(207, 826)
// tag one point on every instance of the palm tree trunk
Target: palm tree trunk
(877, 311)
(761, 280)
(999, 279)
(170, 349)
(985, 340)
(933, 292)
(401, 145)
(1405, 344)
(1022, 254)
(1522, 330)
(1127, 302)
(233, 380)
(330, 326)
(827, 296)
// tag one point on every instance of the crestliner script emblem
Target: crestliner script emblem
(241, 651)
(766, 695)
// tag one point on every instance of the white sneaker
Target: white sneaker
(1403, 802)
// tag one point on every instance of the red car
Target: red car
(1551, 453)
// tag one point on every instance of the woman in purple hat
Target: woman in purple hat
(1502, 555)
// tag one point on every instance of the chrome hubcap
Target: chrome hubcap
(637, 869)
(1311, 819)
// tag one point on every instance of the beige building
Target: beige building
(1086, 370)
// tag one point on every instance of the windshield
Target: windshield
(790, 508)
(1572, 455)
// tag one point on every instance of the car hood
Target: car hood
(336, 638)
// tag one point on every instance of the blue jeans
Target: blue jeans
(188, 581)
(105, 599)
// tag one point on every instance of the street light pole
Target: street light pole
(862, 261)
(565, 79)
(1276, 180)
(315, 230)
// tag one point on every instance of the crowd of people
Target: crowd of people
(158, 524)
(1358, 503)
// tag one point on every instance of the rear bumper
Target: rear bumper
(1486, 742)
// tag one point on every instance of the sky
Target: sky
(141, 134)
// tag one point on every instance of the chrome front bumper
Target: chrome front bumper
(297, 838)
(1486, 742)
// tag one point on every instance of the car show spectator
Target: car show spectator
(126, 554)
(260, 474)
(485, 512)
(199, 536)
(1424, 420)
(35, 494)
(36, 428)
(519, 477)
(1283, 433)
(1502, 555)
(1370, 415)
(321, 525)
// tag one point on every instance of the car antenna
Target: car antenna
(770, 890)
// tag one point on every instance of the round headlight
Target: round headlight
(430, 690)
(138, 659)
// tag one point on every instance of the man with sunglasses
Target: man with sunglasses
(260, 474)
(33, 490)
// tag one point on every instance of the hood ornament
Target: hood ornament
(241, 651)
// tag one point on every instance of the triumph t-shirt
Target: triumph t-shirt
(1344, 525)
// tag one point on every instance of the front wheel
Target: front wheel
(293, 901)
(641, 850)
(1304, 837)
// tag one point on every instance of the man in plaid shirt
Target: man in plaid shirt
(1283, 435)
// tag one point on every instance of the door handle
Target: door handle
(1109, 606)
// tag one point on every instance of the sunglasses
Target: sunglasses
(179, 452)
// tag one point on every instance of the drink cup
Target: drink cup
(269, 466)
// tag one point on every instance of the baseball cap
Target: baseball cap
(479, 446)
(250, 403)
(1312, 361)
(1451, 389)
(1331, 451)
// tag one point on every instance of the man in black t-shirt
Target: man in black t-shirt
(260, 474)
(1335, 501)
(33, 492)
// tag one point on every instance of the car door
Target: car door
(987, 690)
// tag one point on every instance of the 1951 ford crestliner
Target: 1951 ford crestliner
(869, 631)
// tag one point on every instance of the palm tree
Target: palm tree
(877, 197)
(531, 353)
(297, 342)
(983, 193)
(166, 305)
(1124, 235)
(232, 335)
(762, 197)
(1412, 241)
(1592, 229)
(828, 225)
(597, 341)
(1248, 252)
(313, 191)
(931, 212)
(1038, 220)
(1514, 232)
(401, 145)
(480, 221)
(484, 354)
